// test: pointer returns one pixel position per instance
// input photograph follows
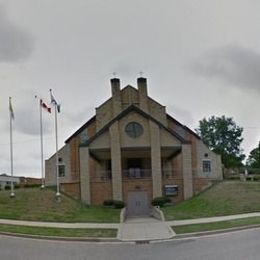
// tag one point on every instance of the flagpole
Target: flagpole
(41, 137)
(57, 156)
(12, 194)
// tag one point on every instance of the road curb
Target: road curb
(213, 232)
(138, 242)
(76, 239)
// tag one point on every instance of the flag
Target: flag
(43, 105)
(54, 102)
(11, 108)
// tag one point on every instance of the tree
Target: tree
(253, 159)
(223, 136)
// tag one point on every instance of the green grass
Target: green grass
(59, 232)
(225, 198)
(216, 225)
(40, 205)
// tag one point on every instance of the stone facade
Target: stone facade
(133, 145)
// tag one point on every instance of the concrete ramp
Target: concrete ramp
(143, 229)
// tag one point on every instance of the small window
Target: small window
(83, 137)
(61, 170)
(206, 166)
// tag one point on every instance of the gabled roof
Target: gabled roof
(90, 121)
(183, 126)
(136, 109)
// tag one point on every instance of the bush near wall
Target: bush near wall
(33, 185)
(117, 204)
(160, 201)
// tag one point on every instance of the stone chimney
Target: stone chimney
(142, 93)
(116, 96)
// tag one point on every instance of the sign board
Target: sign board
(171, 190)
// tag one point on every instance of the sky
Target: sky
(201, 58)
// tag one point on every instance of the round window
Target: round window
(134, 129)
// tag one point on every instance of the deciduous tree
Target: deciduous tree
(253, 159)
(223, 136)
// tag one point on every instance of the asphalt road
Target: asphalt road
(244, 245)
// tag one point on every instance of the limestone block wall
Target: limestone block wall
(50, 167)
(204, 153)
(143, 140)
(157, 111)
(104, 114)
(187, 171)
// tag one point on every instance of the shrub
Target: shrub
(32, 185)
(160, 201)
(117, 204)
(7, 187)
(108, 203)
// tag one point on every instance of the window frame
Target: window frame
(61, 166)
(206, 166)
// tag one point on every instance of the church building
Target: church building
(132, 150)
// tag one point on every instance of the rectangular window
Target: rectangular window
(61, 170)
(206, 166)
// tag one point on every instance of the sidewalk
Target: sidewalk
(211, 219)
(144, 229)
(134, 229)
(58, 225)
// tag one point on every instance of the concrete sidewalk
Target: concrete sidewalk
(211, 219)
(58, 225)
(144, 229)
(134, 229)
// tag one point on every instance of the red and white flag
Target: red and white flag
(43, 105)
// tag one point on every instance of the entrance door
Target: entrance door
(137, 203)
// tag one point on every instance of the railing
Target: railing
(137, 173)
(134, 173)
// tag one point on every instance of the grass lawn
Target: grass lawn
(225, 198)
(40, 205)
(216, 225)
(59, 232)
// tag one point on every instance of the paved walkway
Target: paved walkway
(134, 229)
(144, 228)
(211, 219)
(58, 225)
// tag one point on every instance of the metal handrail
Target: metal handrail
(136, 173)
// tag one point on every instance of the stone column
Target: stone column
(167, 167)
(187, 171)
(116, 161)
(156, 159)
(84, 175)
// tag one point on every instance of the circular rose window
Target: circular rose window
(134, 129)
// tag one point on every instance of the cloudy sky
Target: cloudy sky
(201, 58)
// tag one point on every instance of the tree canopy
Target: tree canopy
(253, 159)
(223, 136)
